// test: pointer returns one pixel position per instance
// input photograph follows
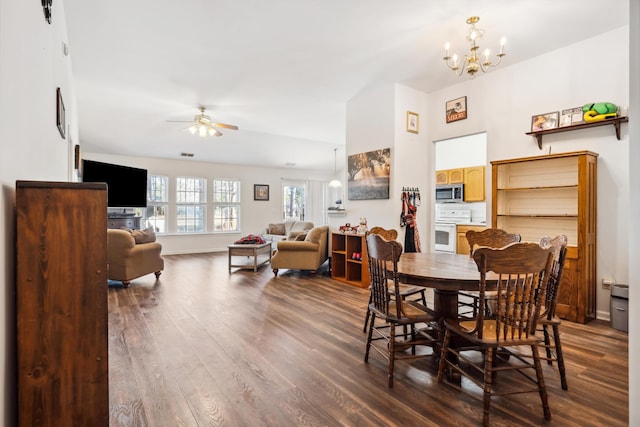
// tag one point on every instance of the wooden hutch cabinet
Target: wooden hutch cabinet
(61, 304)
(551, 195)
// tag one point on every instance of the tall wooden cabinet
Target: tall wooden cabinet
(551, 195)
(344, 266)
(61, 304)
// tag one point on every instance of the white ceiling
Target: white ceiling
(282, 70)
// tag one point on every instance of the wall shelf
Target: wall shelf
(614, 121)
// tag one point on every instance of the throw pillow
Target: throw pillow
(278, 229)
(314, 235)
(301, 237)
(144, 236)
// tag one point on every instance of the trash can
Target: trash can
(620, 307)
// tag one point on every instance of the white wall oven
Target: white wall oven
(445, 228)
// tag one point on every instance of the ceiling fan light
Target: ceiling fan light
(193, 129)
(212, 131)
(202, 131)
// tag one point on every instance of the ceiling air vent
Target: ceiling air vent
(186, 154)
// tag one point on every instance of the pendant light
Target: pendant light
(335, 182)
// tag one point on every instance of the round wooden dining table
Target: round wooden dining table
(446, 273)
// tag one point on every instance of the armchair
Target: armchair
(128, 260)
(307, 254)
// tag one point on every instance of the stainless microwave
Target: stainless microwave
(448, 193)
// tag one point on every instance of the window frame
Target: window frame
(226, 204)
(200, 203)
(155, 204)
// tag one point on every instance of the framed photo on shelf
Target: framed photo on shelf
(413, 122)
(456, 109)
(60, 113)
(544, 121)
(260, 192)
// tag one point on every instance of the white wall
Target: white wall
(633, 238)
(32, 65)
(503, 101)
(461, 152)
(376, 119)
(370, 126)
(255, 215)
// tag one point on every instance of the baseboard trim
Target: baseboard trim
(191, 251)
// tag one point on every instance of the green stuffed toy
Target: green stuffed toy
(599, 111)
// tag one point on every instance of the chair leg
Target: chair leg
(158, 273)
(541, 386)
(366, 317)
(488, 377)
(369, 336)
(443, 355)
(547, 344)
(392, 352)
(560, 358)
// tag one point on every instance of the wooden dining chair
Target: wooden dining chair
(491, 238)
(548, 319)
(392, 311)
(522, 270)
(416, 292)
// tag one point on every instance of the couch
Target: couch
(128, 259)
(287, 230)
(308, 254)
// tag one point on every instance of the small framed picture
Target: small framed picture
(544, 121)
(413, 123)
(260, 192)
(456, 109)
(571, 116)
(60, 113)
(77, 158)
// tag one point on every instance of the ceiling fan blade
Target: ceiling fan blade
(222, 125)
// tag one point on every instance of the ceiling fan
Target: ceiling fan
(203, 126)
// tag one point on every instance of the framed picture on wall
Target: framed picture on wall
(413, 124)
(260, 192)
(456, 109)
(60, 113)
(369, 175)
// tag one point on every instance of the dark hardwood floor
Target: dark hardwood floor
(202, 347)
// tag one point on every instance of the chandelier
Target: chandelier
(202, 125)
(472, 62)
(335, 182)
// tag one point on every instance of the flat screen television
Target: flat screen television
(127, 186)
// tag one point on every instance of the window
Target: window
(226, 205)
(191, 199)
(294, 201)
(157, 203)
